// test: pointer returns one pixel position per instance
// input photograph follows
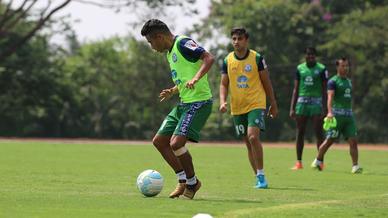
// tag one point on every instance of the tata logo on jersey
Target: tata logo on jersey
(308, 81)
(242, 82)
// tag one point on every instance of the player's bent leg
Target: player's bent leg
(318, 162)
(180, 151)
(162, 143)
(192, 184)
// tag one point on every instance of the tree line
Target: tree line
(109, 88)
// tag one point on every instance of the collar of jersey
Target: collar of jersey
(245, 56)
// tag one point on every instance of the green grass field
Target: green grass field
(47, 179)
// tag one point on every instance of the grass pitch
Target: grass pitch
(47, 179)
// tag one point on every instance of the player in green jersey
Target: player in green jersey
(306, 103)
(189, 64)
(339, 107)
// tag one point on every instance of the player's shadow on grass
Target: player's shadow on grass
(291, 188)
(241, 201)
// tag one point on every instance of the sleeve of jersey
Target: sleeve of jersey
(331, 85)
(224, 68)
(325, 74)
(261, 65)
(190, 49)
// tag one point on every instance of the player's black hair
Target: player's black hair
(337, 62)
(310, 50)
(239, 31)
(153, 26)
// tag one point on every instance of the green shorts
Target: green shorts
(187, 119)
(308, 109)
(346, 126)
(253, 118)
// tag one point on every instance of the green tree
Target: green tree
(32, 93)
(117, 82)
(281, 29)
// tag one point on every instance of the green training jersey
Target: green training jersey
(183, 70)
(311, 79)
(342, 92)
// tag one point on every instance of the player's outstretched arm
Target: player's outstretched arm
(208, 61)
(267, 85)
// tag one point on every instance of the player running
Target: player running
(339, 119)
(189, 64)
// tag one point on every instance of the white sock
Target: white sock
(191, 181)
(260, 172)
(181, 175)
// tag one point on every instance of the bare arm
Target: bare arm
(330, 96)
(294, 99)
(267, 85)
(208, 61)
(224, 85)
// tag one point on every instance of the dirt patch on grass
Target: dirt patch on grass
(383, 147)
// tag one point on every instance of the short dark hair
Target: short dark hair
(310, 50)
(239, 31)
(337, 62)
(153, 26)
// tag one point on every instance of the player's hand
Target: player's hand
(223, 107)
(166, 94)
(190, 84)
(329, 115)
(273, 111)
(292, 114)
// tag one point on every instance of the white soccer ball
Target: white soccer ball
(202, 215)
(150, 183)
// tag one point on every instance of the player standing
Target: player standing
(245, 75)
(306, 103)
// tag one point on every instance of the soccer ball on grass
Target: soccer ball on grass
(150, 183)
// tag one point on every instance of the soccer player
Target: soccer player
(245, 75)
(306, 103)
(339, 107)
(189, 64)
